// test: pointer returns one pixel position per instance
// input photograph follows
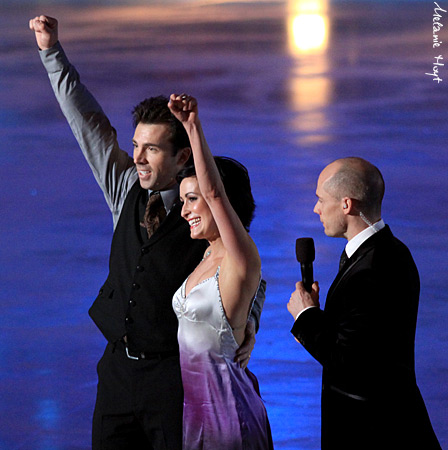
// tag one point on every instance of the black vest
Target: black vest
(144, 274)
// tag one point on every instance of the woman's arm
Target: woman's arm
(240, 269)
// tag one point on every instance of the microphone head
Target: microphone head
(305, 250)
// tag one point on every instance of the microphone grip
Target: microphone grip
(307, 275)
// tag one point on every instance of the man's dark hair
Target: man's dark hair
(236, 184)
(154, 110)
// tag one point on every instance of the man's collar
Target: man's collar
(169, 196)
(356, 242)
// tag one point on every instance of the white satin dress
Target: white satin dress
(222, 405)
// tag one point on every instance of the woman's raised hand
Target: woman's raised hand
(184, 107)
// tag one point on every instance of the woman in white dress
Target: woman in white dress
(222, 406)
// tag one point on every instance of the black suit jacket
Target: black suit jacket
(364, 339)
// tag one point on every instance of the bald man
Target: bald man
(364, 337)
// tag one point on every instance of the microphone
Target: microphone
(305, 256)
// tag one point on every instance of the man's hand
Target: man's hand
(184, 108)
(46, 30)
(301, 299)
(242, 355)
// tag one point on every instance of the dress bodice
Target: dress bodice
(203, 325)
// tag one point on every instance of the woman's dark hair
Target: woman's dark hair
(236, 183)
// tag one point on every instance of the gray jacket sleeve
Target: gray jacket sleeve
(257, 307)
(112, 167)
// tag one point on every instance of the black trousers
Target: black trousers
(139, 403)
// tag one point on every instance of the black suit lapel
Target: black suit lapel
(341, 275)
(140, 211)
(360, 253)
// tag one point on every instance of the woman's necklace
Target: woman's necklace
(207, 255)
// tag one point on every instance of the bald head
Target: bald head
(358, 180)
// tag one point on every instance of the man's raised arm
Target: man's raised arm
(112, 167)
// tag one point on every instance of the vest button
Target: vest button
(140, 269)
(132, 302)
(129, 320)
(135, 286)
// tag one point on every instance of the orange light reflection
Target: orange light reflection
(310, 88)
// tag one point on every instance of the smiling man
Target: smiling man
(140, 397)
